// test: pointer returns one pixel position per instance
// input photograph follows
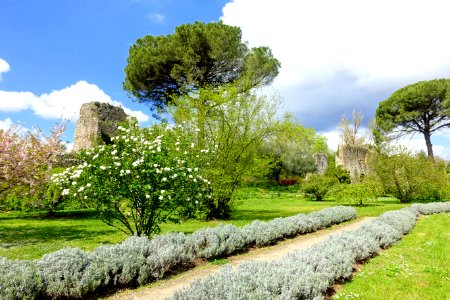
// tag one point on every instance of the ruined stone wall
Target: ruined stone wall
(353, 159)
(321, 162)
(97, 124)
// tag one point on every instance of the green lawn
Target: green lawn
(418, 267)
(30, 235)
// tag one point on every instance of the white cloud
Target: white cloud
(375, 42)
(158, 18)
(5, 124)
(4, 67)
(337, 56)
(64, 103)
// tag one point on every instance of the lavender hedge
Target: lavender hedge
(308, 274)
(73, 273)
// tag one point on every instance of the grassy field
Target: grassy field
(418, 267)
(30, 235)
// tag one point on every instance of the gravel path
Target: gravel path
(165, 288)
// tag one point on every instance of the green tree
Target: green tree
(196, 56)
(292, 147)
(235, 126)
(411, 177)
(422, 107)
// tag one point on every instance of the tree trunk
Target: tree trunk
(427, 136)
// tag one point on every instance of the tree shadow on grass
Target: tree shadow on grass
(24, 235)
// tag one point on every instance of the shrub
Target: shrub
(287, 181)
(368, 190)
(317, 185)
(148, 176)
(19, 280)
(411, 178)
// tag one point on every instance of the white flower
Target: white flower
(103, 168)
(117, 163)
(195, 180)
(159, 149)
(155, 165)
(163, 191)
(127, 171)
(190, 176)
(65, 192)
(88, 185)
(80, 189)
(174, 175)
(164, 179)
(114, 152)
(74, 183)
(95, 156)
(160, 197)
(147, 196)
(189, 169)
(196, 169)
(192, 145)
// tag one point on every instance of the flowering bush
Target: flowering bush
(26, 165)
(146, 177)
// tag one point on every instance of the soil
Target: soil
(164, 288)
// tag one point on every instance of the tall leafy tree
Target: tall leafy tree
(196, 56)
(422, 107)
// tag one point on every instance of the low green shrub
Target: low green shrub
(317, 185)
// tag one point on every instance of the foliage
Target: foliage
(341, 175)
(194, 57)
(359, 193)
(411, 178)
(303, 274)
(318, 185)
(72, 273)
(234, 124)
(146, 177)
(27, 160)
(291, 149)
(422, 107)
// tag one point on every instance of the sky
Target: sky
(336, 56)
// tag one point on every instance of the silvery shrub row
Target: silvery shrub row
(73, 273)
(308, 274)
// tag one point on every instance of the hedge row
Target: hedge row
(308, 274)
(73, 273)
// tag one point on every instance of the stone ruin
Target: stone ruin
(353, 158)
(321, 162)
(97, 124)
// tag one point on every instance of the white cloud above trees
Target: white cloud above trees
(60, 104)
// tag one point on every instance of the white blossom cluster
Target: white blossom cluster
(138, 158)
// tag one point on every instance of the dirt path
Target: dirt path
(164, 288)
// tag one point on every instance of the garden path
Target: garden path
(164, 288)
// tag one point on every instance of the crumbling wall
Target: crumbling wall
(321, 162)
(97, 124)
(353, 159)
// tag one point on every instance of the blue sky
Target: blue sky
(336, 55)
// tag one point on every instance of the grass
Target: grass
(418, 267)
(31, 235)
